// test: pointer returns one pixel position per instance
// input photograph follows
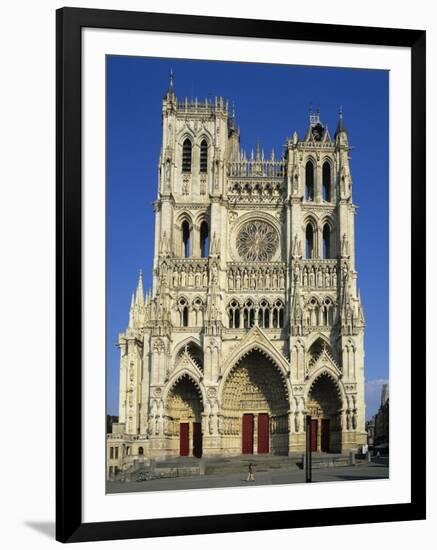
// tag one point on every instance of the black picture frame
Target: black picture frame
(69, 25)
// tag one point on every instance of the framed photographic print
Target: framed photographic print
(240, 246)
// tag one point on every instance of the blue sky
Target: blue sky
(271, 101)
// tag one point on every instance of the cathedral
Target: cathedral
(254, 319)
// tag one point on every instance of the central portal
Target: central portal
(255, 408)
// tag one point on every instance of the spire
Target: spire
(170, 89)
(340, 126)
(257, 149)
(131, 312)
(139, 300)
(232, 124)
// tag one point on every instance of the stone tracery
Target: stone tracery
(257, 241)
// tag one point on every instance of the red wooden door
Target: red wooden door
(248, 434)
(324, 443)
(184, 439)
(314, 425)
(197, 439)
(263, 433)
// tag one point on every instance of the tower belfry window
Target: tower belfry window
(326, 242)
(326, 179)
(309, 181)
(204, 157)
(186, 239)
(309, 239)
(186, 156)
(204, 239)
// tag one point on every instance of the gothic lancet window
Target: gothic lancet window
(186, 156)
(186, 239)
(326, 242)
(204, 156)
(234, 314)
(278, 314)
(204, 239)
(264, 314)
(249, 314)
(183, 310)
(309, 181)
(328, 312)
(309, 240)
(326, 182)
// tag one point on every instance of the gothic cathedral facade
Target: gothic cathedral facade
(254, 319)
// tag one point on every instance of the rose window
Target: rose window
(257, 241)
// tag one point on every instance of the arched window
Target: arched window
(183, 310)
(328, 312)
(309, 181)
(249, 314)
(278, 314)
(204, 239)
(186, 156)
(234, 314)
(326, 182)
(198, 310)
(314, 313)
(140, 450)
(309, 240)
(204, 156)
(326, 242)
(186, 239)
(264, 314)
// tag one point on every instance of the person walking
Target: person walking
(250, 476)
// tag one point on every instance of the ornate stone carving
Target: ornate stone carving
(257, 241)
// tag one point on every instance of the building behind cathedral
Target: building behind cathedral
(254, 319)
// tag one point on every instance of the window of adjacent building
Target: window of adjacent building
(309, 181)
(326, 182)
(186, 156)
(309, 240)
(111, 452)
(204, 156)
(116, 453)
(204, 239)
(186, 238)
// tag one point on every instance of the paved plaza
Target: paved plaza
(263, 476)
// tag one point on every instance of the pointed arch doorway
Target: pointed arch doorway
(324, 406)
(255, 407)
(184, 414)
